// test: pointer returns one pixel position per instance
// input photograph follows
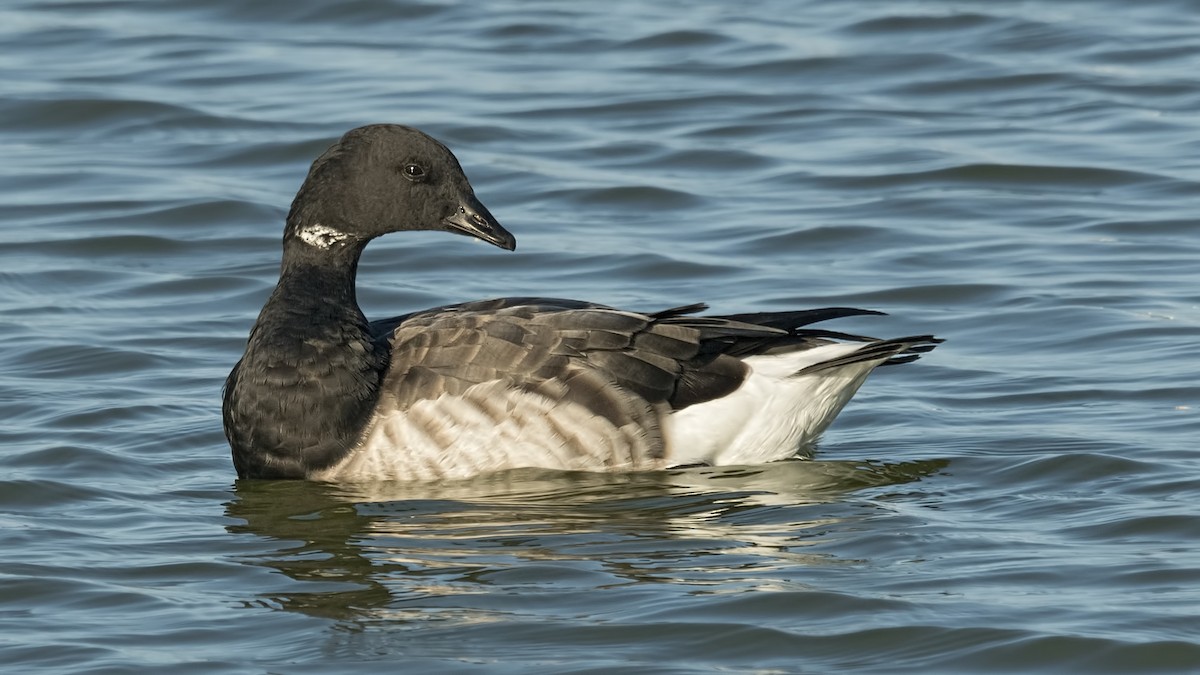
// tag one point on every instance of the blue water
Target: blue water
(1021, 178)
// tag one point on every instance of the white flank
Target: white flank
(489, 428)
(321, 236)
(772, 415)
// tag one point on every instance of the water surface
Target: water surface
(1020, 178)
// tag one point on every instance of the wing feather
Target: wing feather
(629, 368)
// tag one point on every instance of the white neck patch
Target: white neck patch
(321, 236)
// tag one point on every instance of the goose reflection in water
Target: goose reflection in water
(502, 545)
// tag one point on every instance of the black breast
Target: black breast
(300, 398)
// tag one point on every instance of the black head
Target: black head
(387, 178)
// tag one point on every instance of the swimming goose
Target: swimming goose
(451, 392)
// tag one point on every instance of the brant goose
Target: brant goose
(324, 394)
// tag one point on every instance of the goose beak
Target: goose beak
(474, 220)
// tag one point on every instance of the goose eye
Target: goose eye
(413, 172)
